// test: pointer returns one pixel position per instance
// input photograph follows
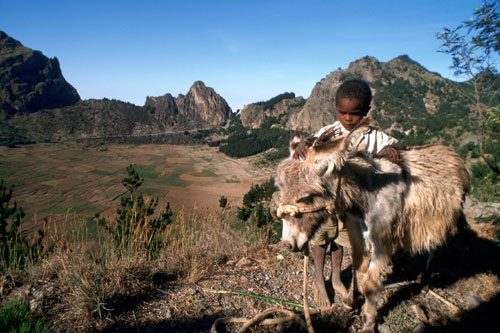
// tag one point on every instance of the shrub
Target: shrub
(223, 202)
(242, 144)
(275, 100)
(256, 210)
(485, 182)
(15, 249)
(135, 215)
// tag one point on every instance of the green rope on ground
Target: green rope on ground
(270, 299)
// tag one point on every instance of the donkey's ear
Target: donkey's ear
(294, 141)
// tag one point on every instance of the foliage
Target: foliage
(351, 76)
(275, 100)
(11, 135)
(223, 202)
(15, 317)
(137, 215)
(243, 142)
(486, 186)
(492, 140)
(15, 249)
(474, 47)
(255, 207)
(474, 51)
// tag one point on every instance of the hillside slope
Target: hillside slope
(407, 99)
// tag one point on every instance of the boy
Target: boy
(352, 101)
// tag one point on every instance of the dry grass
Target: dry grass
(86, 275)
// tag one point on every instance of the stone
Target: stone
(36, 302)
(421, 328)
(472, 302)
(419, 312)
(383, 328)
(475, 209)
(243, 262)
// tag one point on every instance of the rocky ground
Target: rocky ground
(462, 295)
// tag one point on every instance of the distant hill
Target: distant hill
(37, 104)
(407, 100)
(29, 81)
(411, 103)
(284, 105)
(202, 108)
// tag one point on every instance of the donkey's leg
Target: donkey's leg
(372, 283)
(353, 225)
(379, 218)
(371, 286)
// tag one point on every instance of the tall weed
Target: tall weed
(15, 317)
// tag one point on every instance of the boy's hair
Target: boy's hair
(355, 89)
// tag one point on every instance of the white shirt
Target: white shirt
(372, 142)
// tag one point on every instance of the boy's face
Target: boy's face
(349, 112)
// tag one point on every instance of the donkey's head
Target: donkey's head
(307, 188)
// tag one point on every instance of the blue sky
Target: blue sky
(248, 51)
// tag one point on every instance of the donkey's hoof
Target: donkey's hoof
(369, 324)
(368, 328)
(348, 302)
(346, 306)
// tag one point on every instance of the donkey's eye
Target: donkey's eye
(305, 198)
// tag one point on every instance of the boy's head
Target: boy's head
(352, 100)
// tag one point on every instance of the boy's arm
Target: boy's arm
(392, 152)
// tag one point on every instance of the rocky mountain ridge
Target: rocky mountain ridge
(29, 81)
(37, 104)
(406, 97)
(200, 107)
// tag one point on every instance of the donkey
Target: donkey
(413, 205)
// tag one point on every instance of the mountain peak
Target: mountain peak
(200, 107)
(30, 81)
(198, 85)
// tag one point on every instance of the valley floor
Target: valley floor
(62, 181)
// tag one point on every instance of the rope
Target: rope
(265, 298)
(261, 317)
(310, 327)
(294, 210)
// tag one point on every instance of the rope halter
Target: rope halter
(294, 210)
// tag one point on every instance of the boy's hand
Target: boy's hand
(300, 153)
(391, 153)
